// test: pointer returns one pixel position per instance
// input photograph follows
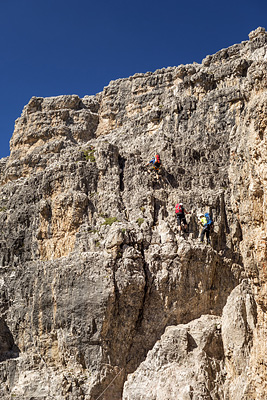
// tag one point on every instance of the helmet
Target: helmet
(181, 204)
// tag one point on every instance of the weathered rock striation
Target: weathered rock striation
(101, 298)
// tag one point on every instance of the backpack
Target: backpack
(179, 209)
(209, 220)
(157, 161)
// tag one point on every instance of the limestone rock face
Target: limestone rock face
(100, 296)
(239, 321)
(186, 363)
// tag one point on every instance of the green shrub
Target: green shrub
(89, 154)
(110, 221)
(92, 231)
(140, 221)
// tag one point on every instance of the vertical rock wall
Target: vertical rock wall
(100, 295)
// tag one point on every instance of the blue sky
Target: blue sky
(54, 47)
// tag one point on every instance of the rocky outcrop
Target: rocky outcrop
(186, 363)
(196, 360)
(101, 298)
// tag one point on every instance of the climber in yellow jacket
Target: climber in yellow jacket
(207, 224)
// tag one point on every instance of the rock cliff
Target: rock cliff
(101, 298)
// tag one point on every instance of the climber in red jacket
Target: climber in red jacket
(180, 214)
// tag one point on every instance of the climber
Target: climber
(155, 164)
(207, 224)
(180, 214)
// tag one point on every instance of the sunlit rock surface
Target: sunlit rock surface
(101, 298)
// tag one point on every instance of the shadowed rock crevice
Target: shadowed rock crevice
(8, 348)
(122, 161)
(147, 288)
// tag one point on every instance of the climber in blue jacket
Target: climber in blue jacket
(207, 224)
(156, 164)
